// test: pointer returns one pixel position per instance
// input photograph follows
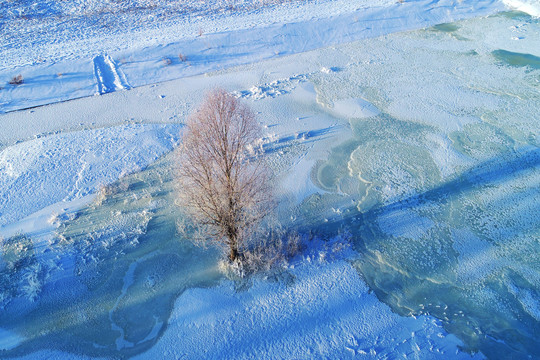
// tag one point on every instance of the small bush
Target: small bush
(17, 80)
(104, 192)
(182, 57)
(167, 61)
(270, 251)
(54, 219)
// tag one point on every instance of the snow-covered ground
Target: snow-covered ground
(326, 312)
(69, 166)
(58, 65)
(528, 6)
(387, 126)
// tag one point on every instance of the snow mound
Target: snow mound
(354, 108)
(9, 340)
(272, 89)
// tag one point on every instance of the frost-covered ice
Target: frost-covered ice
(447, 175)
(9, 340)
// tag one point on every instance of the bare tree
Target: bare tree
(224, 186)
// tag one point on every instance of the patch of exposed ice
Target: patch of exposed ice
(404, 223)
(527, 299)
(396, 169)
(476, 257)
(445, 156)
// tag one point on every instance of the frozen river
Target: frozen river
(435, 173)
(446, 180)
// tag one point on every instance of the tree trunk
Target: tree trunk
(233, 255)
(232, 235)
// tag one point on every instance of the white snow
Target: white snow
(55, 73)
(531, 7)
(354, 108)
(69, 166)
(54, 158)
(326, 312)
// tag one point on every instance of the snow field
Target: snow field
(69, 166)
(531, 7)
(361, 331)
(326, 310)
(307, 106)
(291, 29)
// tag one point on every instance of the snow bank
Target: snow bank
(354, 108)
(69, 166)
(326, 311)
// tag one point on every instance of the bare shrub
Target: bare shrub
(273, 250)
(182, 57)
(16, 80)
(223, 187)
(17, 251)
(167, 61)
(103, 192)
(277, 249)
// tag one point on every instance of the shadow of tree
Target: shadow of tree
(387, 263)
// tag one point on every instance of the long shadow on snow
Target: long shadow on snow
(492, 172)
(489, 172)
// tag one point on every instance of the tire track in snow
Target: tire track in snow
(108, 75)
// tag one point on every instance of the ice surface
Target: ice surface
(9, 340)
(354, 108)
(448, 223)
